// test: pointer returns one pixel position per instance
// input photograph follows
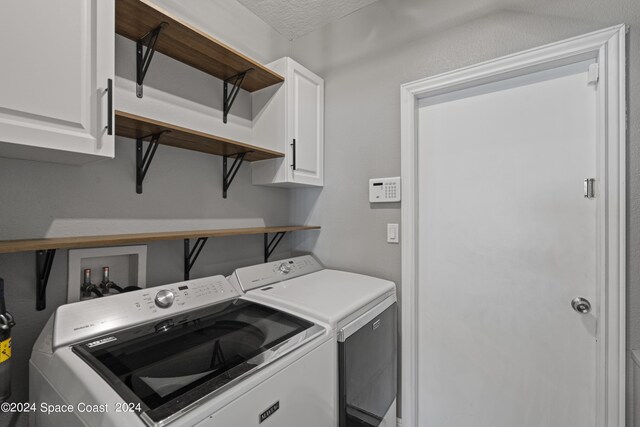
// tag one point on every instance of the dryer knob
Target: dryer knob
(284, 268)
(164, 298)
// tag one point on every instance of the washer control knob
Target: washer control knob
(284, 268)
(164, 298)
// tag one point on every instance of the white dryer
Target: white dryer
(187, 354)
(361, 312)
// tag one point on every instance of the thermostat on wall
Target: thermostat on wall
(384, 190)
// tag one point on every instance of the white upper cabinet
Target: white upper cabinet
(57, 57)
(290, 118)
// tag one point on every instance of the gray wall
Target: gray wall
(181, 188)
(366, 56)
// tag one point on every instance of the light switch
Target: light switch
(392, 233)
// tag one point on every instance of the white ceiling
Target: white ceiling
(295, 18)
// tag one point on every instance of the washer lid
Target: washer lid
(328, 296)
(169, 367)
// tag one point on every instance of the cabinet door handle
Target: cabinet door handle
(293, 147)
(109, 107)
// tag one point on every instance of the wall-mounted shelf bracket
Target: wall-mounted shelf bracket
(230, 96)
(191, 254)
(228, 174)
(44, 261)
(144, 57)
(270, 245)
(143, 161)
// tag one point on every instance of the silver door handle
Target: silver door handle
(581, 305)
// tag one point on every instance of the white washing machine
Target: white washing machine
(189, 354)
(360, 311)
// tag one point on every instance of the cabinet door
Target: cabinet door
(306, 111)
(57, 56)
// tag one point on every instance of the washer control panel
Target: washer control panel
(257, 276)
(184, 295)
(83, 320)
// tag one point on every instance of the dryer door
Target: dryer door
(367, 351)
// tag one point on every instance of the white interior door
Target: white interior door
(506, 241)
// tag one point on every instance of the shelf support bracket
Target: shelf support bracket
(228, 174)
(143, 160)
(44, 262)
(270, 245)
(229, 96)
(144, 56)
(191, 255)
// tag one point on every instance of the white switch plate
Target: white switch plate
(384, 190)
(393, 233)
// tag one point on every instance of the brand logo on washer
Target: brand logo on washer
(266, 414)
(100, 342)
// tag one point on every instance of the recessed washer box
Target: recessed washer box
(127, 267)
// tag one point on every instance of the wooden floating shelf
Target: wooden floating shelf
(132, 126)
(11, 246)
(185, 43)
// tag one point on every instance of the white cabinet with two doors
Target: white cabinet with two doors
(57, 62)
(290, 118)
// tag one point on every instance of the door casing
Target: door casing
(608, 47)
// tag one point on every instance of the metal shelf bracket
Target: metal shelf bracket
(144, 57)
(228, 174)
(143, 161)
(44, 262)
(191, 254)
(270, 245)
(230, 96)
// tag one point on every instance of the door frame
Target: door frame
(608, 48)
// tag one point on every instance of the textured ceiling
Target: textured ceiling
(294, 18)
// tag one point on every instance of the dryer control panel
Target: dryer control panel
(257, 276)
(80, 321)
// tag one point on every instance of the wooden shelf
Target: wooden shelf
(132, 126)
(187, 44)
(45, 249)
(11, 246)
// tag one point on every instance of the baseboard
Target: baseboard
(633, 388)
